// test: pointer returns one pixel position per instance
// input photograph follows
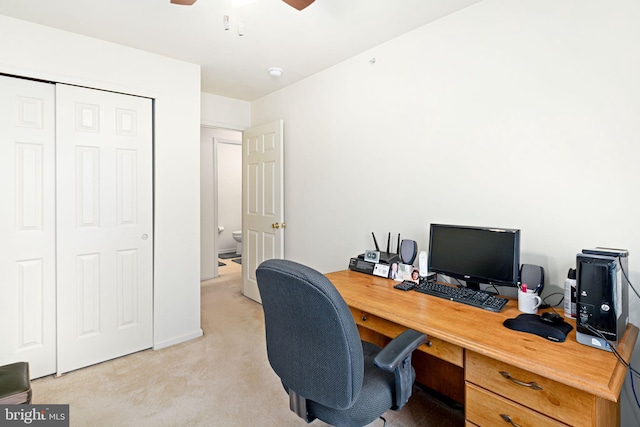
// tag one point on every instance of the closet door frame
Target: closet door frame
(29, 289)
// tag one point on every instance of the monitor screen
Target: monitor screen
(475, 254)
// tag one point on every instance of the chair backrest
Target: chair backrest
(313, 343)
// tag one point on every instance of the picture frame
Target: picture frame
(404, 271)
(381, 270)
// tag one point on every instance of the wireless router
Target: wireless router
(385, 257)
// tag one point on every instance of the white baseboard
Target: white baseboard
(177, 340)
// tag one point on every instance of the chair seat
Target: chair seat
(15, 387)
(365, 409)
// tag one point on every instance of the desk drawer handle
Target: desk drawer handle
(508, 420)
(508, 376)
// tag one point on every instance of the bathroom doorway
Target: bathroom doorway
(220, 197)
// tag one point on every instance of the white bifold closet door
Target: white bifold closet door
(104, 225)
(75, 225)
(27, 225)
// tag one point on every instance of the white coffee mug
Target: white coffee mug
(528, 302)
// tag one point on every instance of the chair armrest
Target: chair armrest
(396, 357)
(398, 349)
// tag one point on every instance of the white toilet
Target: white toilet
(237, 236)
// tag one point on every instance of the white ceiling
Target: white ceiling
(275, 34)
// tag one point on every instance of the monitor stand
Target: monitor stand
(474, 286)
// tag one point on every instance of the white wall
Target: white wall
(511, 114)
(222, 112)
(36, 51)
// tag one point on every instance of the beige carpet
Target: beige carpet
(220, 379)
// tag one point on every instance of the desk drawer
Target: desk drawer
(483, 408)
(440, 349)
(556, 400)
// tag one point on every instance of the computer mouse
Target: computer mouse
(552, 318)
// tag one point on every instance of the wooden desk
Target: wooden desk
(578, 385)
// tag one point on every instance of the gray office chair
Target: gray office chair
(314, 347)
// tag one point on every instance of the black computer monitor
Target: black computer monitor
(475, 254)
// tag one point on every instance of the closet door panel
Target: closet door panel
(104, 205)
(27, 225)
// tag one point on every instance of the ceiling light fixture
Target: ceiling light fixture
(275, 72)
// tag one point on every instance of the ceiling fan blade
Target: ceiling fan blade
(183, 2)
(298, 4)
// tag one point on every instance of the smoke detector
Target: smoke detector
(275, 72)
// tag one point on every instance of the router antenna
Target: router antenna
(388, 241)
(398, 247)
(375, 242)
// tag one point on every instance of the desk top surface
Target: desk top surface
(579, 366)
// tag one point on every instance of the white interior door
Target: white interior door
(27, 225)
(262, 202)
(104, 209)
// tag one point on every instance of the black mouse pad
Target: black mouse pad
(532, 324)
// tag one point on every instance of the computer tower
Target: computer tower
(602, 306)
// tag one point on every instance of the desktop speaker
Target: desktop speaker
(408, 251)
(532, 276)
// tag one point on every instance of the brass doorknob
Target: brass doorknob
(276, 225)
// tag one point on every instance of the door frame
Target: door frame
(216, 182)
(214, 163)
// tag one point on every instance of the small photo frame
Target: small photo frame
(394, 273)
(404, 271)
(372, 256)
(381, 270)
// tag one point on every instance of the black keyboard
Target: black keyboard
(480, 299)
